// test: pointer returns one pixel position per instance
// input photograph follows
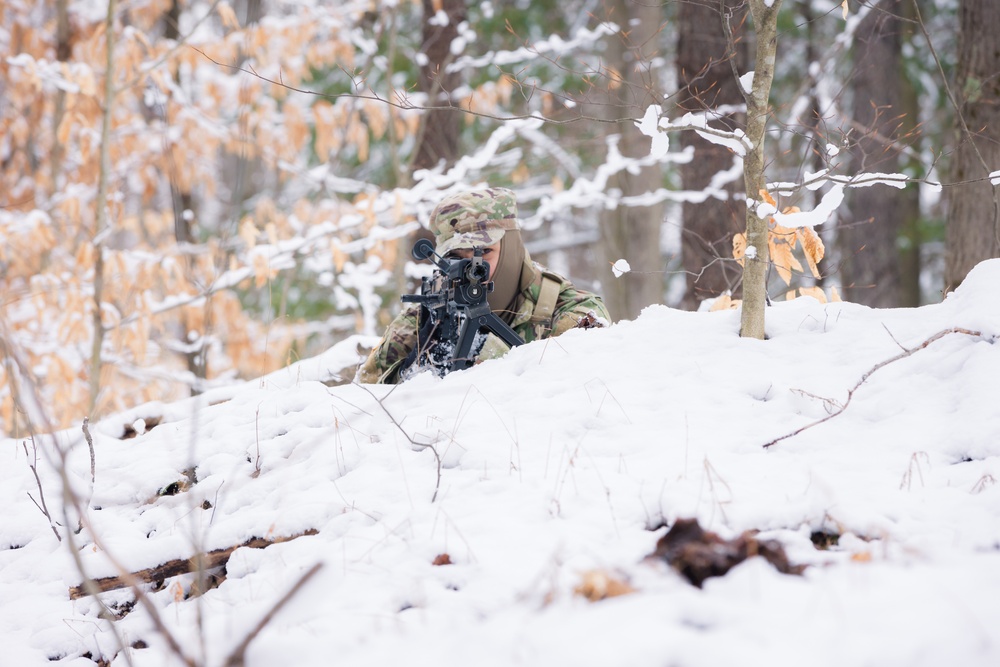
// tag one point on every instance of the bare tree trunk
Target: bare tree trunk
(101, 209)
(765, 23)
(632, 232)
(870, 268)
(705, 62)
(973, 232)
(180, 199)
(63, 53)
(815, 147)
(438, 140)
(910, 235)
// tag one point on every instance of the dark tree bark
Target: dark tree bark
(439, 132)
(910, 235)
(973, 232)
(870, 271)
(64, 49)
(181, 199)
(705, 60)
(632, 232)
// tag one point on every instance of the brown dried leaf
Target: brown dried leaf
(442, 559)
(698, 554)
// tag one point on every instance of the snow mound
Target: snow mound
(520, 476)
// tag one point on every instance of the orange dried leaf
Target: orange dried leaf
(812, 246)
(248, 232)
(261, 270)
(739, 247)
(834, 295)
(598, 585)
(724, 302)
(228, 16)
(615, 78)
(766, 196)
(339, 256)
(783, 259)
(814, 292)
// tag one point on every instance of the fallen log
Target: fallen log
(173, 568)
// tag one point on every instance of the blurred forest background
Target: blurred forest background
(195, 192)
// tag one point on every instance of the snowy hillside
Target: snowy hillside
(561, 466)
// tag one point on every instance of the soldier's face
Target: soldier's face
(491, 254)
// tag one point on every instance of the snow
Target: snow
(746, 82)
(826, 207)
(620, 268)
(563, 457)
(440, 19)
(995, 178)
(655, 125)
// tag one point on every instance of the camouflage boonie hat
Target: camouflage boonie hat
(473, 218)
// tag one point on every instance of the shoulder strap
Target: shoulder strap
(548, 295)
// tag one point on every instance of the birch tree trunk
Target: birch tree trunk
(765, 22)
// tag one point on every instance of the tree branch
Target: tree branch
(882, 364)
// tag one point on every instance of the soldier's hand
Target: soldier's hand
(589, 321)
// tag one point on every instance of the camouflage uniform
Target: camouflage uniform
(481, 218)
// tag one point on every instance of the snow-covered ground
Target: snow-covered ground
(567, 457)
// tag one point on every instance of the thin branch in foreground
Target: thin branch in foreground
(237, 657)
(40, 503)
(414, 443)
(93, 459)
(850, 393)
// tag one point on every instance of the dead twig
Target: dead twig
(90, 444)
(398, 425)
(864, 378)
(172, 568)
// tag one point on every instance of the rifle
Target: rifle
(454, 312)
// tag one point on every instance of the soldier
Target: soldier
(532, 300)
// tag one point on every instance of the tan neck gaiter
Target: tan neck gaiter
(507, 277)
